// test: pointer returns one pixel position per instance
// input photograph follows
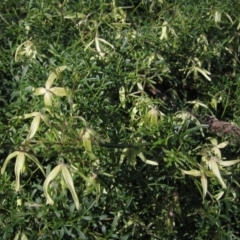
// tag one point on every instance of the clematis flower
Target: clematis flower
(49, 91)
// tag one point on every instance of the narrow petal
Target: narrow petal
(204, 185)
(45, 119)
(193, 172)
(34, 126)
(219, 195)
(204, 72)
(216, 171)
(143, 158)
(104, 41)
(69, 181)
(58, 91)
(29, 115)
(122, 96)
(34, 159)
(39, 91)
(123, 155)
(9, 157)
(228, 163)
(223, 144)
(20, 160)
(48, 179)
(53, 76)
(86, 137)
(217, 152)
(213, 141)
(48, 98)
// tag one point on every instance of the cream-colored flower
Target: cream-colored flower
(49, 91)
(67, 177)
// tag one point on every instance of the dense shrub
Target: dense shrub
(119, 120)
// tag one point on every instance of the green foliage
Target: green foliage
(103, 119)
